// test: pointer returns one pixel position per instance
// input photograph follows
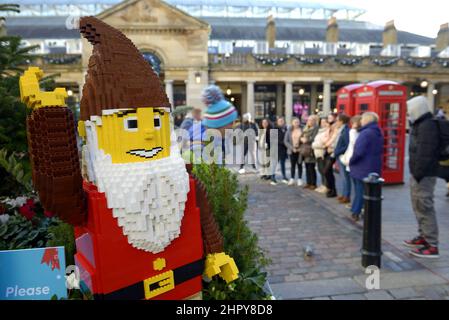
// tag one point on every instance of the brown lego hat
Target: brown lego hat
(118, 76)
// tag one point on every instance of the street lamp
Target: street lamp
(301, 92)
(69, 93)
(434, 92)
(424, 84)
(320, 97)
(228, 90)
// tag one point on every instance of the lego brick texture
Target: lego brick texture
(118, 76)
(55, 162)
(212, 238)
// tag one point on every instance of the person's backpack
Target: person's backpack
(443, 126)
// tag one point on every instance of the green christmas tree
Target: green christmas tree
(14, 58)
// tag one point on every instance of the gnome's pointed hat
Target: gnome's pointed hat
(118, 76)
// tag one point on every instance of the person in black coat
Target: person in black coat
(282, 149)
(423, 162)
(340, 149)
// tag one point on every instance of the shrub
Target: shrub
(62, 234)
(24, 225)
(229, 202)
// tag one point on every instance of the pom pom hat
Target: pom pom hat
(219, 113)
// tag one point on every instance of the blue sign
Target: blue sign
(32, 274)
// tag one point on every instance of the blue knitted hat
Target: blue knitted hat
(219, 112)
(212, 94)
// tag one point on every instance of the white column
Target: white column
(327, 97)
(250, 99)
(288, 102)
(279, 99)
(83, 81)
(80, 89)
(431, 96)
(169, 91)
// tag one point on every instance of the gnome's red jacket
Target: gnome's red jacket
(111, 268)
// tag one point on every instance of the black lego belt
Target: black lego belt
(162, 283)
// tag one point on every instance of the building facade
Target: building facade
(269, 57)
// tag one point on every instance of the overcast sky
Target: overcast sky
(417, 16)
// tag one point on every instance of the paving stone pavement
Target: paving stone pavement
(287, 219)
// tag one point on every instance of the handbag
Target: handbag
(305, 150)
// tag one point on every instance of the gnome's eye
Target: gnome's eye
(130, 124)
(157, 122)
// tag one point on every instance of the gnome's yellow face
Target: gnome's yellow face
(134, 135)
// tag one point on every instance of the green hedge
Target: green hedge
(229, 203)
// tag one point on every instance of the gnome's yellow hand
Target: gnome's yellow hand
(34, 98)
(223, 265)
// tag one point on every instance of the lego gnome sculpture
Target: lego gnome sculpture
(143, 225)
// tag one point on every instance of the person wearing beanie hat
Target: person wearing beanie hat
(220, 113)
(144, 228)
(423, 163)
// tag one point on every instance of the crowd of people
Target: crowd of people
(336, 144)
(324, 146)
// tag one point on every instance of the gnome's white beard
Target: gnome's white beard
(147, 198)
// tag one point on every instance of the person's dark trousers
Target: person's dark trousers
(311, 174)
(294, 159)
(320, 165)
(357, 203)
(282, 161)
(329, 174)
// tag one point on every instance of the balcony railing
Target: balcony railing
(57, 59)
(251, 60)
(258, 61)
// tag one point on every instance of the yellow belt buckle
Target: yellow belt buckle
(159, 284)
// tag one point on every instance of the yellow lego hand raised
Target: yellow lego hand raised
(223, 265)
(34, 98)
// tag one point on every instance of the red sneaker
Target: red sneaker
(417, 242)
(428, 252)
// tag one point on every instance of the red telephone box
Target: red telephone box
(389, 100)
(346, 99)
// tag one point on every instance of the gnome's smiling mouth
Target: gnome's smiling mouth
(145, 153)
